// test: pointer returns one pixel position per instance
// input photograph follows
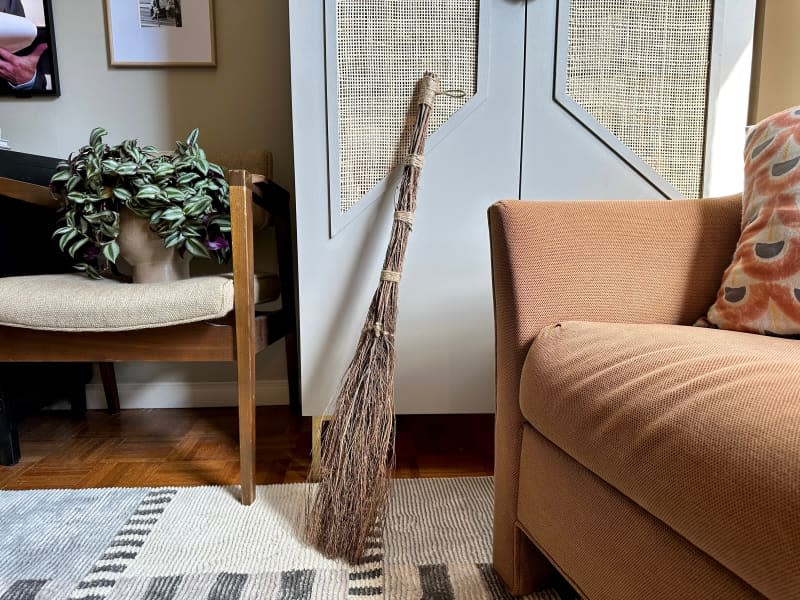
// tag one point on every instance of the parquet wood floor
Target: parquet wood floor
(198, 447)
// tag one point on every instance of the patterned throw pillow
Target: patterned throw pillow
(760, 290)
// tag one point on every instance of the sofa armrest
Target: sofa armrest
(650, 261)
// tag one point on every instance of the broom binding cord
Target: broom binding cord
(430, 89)
(390, 276)
(378, 330)
(414, 160)
(405, 216)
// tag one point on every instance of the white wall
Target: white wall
(243, 103)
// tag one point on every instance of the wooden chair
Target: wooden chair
(238, 336)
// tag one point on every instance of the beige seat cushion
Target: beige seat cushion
(73, 302)
(699, 427)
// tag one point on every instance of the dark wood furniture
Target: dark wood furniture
(29, 250)
(238, 337)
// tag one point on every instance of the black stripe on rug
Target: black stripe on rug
(163, 588)
(366, 578)
(435, 583)
(371, 574)
(108, 569)
(493, 584)
(24, 589)
(296, 585)
(123, 549)
(228, 586)
(365, 592)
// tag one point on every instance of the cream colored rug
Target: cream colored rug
(201, 543)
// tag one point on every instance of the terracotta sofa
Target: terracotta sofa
(639, 457)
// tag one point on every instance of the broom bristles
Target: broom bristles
(357, 452)
(357, 448)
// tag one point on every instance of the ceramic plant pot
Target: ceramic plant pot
(144, 251)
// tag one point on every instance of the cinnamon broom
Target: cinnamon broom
(358, 447)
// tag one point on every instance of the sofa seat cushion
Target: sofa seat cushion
(699, 427)
(73, 302)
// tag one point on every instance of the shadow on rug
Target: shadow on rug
(200, 543)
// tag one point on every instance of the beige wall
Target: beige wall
(776, 79)
(242, 103)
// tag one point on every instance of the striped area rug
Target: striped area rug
(200, 543)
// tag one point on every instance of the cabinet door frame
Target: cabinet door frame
(338, 220)
(597, 129)
(728, 91)
(728, 96)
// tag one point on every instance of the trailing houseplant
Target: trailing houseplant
(182, 195)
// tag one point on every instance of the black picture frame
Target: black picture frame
(48, 63)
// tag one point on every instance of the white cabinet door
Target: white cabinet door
(637, 99)
(445, 330)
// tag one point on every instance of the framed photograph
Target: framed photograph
(160, 33)
(28, 64)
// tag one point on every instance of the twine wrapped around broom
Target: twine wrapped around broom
(358, 448)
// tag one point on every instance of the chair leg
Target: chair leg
(244, 312)
(9, 436)
(110, 390)
(246, 384)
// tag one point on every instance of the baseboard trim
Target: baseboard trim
(181, 394)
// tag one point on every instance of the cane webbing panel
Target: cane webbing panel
(382, 49)
(640, 68)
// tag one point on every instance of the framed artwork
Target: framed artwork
(28, 65)
(160, 33)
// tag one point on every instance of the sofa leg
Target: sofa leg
(534, 571)
(530, 571)
(9, 436)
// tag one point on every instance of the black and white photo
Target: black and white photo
(160, 13)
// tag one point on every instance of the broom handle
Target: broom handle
(414, 161)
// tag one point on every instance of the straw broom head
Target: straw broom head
(358, 445)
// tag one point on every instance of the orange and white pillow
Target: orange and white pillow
(760, 290)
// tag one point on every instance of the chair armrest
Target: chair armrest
(652, 261)
(242, 205)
